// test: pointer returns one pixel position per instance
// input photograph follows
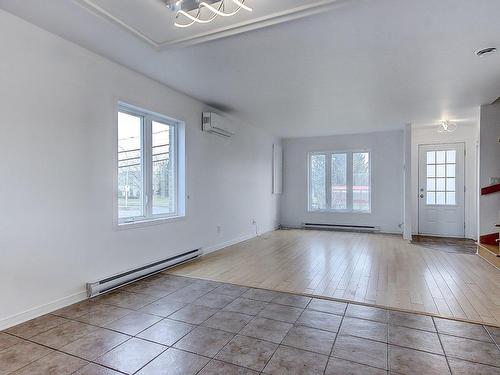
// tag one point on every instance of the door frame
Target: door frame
(418, 185)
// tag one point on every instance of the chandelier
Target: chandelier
(447, 127)
(189, 12)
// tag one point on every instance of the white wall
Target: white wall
(56, 139)
(467, 134)
(387, 161)
(489, 212)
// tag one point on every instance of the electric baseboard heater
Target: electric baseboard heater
(352, 228)
(116, 281)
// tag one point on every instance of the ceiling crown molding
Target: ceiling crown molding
(309, 9)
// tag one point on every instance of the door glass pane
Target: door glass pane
(450, 184)
(431, 197)
(130, 175)
(440, 157)
(431, 171)
(440, 184)
(450, 170)
(440, 198)
(361, 181)
(339, 181)
(451, 156)
(431, 157)
(431, 184)
(163, 169)
(318, 182)
(450, 198)
(440, 170)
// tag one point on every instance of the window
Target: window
(339, 181)
(441, 178)
(148, 166)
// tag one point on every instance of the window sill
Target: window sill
(148, 222)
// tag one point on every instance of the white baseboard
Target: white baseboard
(35, 312)
(234, 241)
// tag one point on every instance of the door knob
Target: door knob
(421, 195)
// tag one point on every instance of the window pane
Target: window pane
(339, 181)
(318, 182)
(450, 170)
(440, 170)
(440, 198)
(431, 198)
(450, 198)
(450, 184)
(450, 156)
(440, 184)
(431, 157)
(361, 181)
(431, 171)
(431, 184)
(163, 165)
(440, 157)
(130, 202)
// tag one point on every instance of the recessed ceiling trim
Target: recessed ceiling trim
(222, 32)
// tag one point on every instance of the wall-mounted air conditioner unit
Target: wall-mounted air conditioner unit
(216, 124)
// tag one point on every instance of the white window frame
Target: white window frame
(328, 182)
(147, 118)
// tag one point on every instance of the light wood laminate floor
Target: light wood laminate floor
(377, 269)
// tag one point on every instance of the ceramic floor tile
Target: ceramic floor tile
(294, 361)
(409, 361)
(93, 369)
(204, 341)
(471, 350)
(64, 334)
(54, 363)
(95, 344)
(231, 290)
(127, 300)
(175, 362)
(337, 366)
(260, 295)
(36, 326)
(151, 290)
(247, 352)
(314, 340)
(331, 307)
(283, 313)
(167, 332)
(133, 323)
(101, 314)
(266, 329)
(367, 312)
(131, 355)
(291, 300)
(163, 307)
(411, 320)
(246, 306)
(214, 300)
(6, 341)
(320, 320)
(364, 328)
(228, 321)
(217, 368)
(355, 349)
(462, 329)
(415, 339)
(187, 295)
(20, 355)
(459, 367)
(193, 314)
(76, 310)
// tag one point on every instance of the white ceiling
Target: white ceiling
(362, 66)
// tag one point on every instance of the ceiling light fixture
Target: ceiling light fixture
(190, 12)
(447, 127)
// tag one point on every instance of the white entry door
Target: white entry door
(441, 208)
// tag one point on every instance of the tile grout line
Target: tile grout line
(442, 347)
